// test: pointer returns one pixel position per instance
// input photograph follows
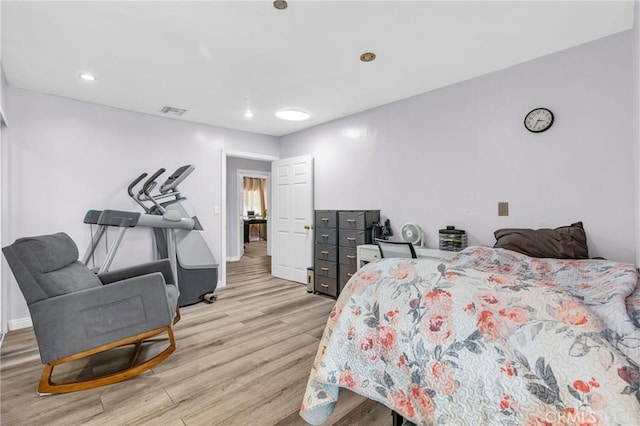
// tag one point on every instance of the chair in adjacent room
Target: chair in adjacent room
(396, 249)
(77, 314)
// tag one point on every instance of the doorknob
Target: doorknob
(308, 227)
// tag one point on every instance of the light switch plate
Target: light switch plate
(503, 208)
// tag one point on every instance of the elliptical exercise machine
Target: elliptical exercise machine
(176, 234)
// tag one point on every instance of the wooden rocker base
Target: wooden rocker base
(46, 386)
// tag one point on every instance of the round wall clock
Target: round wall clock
(538, 120)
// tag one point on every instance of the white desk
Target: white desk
(370, 252)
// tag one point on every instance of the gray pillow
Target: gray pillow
(566, 242)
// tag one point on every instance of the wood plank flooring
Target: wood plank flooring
(243, 360)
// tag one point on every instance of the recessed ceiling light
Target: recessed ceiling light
(292, 115)
(280, 4)
(248, 114)
(367, 57)
(87, 77)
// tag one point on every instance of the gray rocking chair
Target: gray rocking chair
(76, 314)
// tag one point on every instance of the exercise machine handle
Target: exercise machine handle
(148, 184)
(134, 183)
(145, 190)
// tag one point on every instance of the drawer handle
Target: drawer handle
(350, 256)
(351, 238)
(324, 268)
(325, 219)
(324, 252)
(351, 220)
(324, 235)
(324, 285)
(349, 274)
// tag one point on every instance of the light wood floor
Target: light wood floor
(243, 360)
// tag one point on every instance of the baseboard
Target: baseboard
(233, 259)
(220, 284)
(19, 323)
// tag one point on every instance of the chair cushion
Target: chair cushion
(47, 266)
(48, 252)
(69, 279)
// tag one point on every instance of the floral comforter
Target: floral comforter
(489, 337)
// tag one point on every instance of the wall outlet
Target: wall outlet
(503, 208)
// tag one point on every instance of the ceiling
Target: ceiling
(216, 59)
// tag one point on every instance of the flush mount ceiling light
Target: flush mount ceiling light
(248, 114)
(367, 57)
(87, 77)
(280, 4)
(292, 115)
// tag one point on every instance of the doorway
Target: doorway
(292, 248)
(253, 200)
(233, 234)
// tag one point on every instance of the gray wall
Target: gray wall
(65, 157)
(233, 165)
(448, 156)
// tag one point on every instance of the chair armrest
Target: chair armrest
(75, 322)
(163, 266)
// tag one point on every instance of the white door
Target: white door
(292, 218)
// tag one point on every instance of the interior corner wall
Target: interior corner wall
(65, 157)
(636, 119)
(3, 143)
(447, 157)
(233, 165)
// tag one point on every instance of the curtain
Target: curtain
(255, 196)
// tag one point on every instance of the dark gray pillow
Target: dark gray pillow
(566, 242)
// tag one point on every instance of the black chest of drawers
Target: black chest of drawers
(337, 234)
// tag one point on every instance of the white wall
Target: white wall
(3, 137)
(233, 165)
(65, 157)
(448, 156)
(445, 157)
(3, 311)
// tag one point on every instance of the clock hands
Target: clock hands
(538, 120)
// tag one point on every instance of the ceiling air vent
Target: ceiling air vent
(172, 110)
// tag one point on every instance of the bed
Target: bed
(490, 336)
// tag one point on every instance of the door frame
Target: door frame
(238, 154)
(240, 204)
